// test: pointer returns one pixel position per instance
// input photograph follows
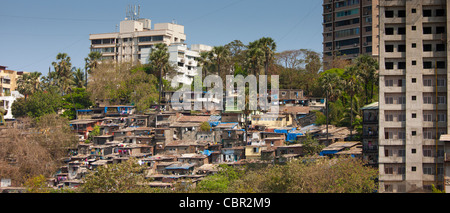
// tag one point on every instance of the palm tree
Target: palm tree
(29, 83)
(159, 59)
(367, 67)
(255, 57)
(78, 78)
(330, 82)
(205, 62)
(63, 70)
(268, 46)
(219, 55)
(352, 84)
(91, 62)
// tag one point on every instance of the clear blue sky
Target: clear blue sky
(33, 32)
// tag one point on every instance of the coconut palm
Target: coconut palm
(29, 83)
(268, 46)
(63, 70)
(367, 67)
(330, 83)
(205, 62)
(255, 57)
(91, 62)
(78, 78)
(159, 59)
(219, 56)
(352, 84)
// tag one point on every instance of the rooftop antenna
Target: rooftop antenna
(133, 12)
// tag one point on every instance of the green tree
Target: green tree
(42, 103)
(29, 83)
(368, 66)
(159, 58)
(268, 46)
(352, 84)
(220, 182)
(311, 146)
(63, 71)
(125, 177)
(79, 98)
(18, 108)
(205, 127)
(91, 62)
(219, 56)
(78, 78)
(255, 57)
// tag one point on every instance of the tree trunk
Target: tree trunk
(351, 117)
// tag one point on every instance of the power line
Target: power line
(52, 55)
(298, 23)
(56, 19)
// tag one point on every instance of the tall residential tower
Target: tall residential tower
(413, 108)
(347, 29)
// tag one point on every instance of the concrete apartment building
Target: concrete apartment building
(135, 35)
(8, 87)
(347, 29)
(136, 38)
(413, 109)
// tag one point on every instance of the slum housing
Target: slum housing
(174, 147)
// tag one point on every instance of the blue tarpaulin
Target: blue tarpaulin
(291, 137)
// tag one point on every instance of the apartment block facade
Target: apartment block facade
(413, 93)
(347, 29)
(134, 36)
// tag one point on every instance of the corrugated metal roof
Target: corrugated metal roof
(373, 105)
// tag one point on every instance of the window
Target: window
(401, 118)
(413, 168)
(413, 28)
(441, 99)
(440, 65)
(427, 171)
(401, 13)
(401, 65)
(413, 151)
(427, 82)
(413, 10)
(401, 100)
(388, 117)
(427, 117)
(413, 98)
(413, 133)
(427, 30)
(389, 83)
(388, 170)
(389, 14)
(389, 100)
(427, 100)
(426, 13)
(441, 117)
(414, 63)
(427, 65)
(389, 48)
(389, 65)
(413, 115)
(401, 48)
(401, 31)
(440, 12)
(400, 82)
(389, 31)
(413, 80)
(440, 47)
(440, 30)
(441, 82)
(413, 45)
(401, 153)
(427, 47)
